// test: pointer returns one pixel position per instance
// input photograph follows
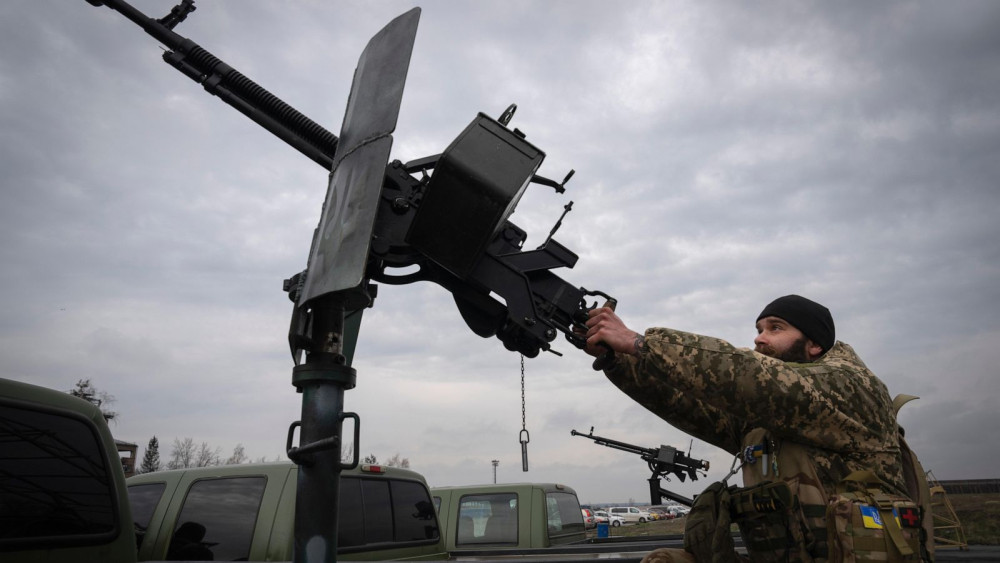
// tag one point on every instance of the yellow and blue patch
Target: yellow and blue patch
(872, 519)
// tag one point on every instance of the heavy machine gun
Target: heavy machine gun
(445, 215)
(662, 461)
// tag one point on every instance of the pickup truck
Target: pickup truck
(247, 513)
(508, 516)
(62, 488)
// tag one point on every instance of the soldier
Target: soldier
(800, 412)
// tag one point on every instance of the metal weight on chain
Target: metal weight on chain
(524, 449)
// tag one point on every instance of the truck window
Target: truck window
(143, 500)
(564, 514)
(487, 519)
(378, 510)
(217, 520)
(55, 485)
(414, 516)
(384, 511)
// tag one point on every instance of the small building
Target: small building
(127, 453)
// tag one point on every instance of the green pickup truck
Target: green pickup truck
(247, 513)
(62, 488)
(508, 516)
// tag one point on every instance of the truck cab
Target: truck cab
(62, 488)
(247, 512)
(508, 516)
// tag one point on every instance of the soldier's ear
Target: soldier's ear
(814, 350)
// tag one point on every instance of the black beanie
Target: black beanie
(813, 319)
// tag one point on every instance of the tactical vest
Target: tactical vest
(789, 517)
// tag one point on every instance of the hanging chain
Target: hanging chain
(524, 438)
(524, 425)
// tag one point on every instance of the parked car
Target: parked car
(679, 510)
(661, 513)
(588, 518)
(630, 513)
(603, 517)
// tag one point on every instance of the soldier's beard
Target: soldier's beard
(795, 353)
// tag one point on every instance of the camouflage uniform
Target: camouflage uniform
(821, 420)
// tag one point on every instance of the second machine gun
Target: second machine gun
(662, 461)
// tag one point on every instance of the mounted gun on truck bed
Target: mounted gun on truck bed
(662, 461)
(445, 214)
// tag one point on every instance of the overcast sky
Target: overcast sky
(726, 153)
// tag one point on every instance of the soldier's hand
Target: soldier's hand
(606, 330)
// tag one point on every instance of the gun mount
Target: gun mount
(662, 461)
(446, 215)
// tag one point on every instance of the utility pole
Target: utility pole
(495, 463)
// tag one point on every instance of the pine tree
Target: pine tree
(151, 459)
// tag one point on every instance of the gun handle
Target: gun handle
(606, 359)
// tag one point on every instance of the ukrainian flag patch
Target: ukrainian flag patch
(872, 519)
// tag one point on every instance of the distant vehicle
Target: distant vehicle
(603, 517)
(588, 518)
(661, 513)
(630, 514)
(679, 510)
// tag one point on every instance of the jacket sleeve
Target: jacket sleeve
(717, 389)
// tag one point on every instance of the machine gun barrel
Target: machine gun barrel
(648, 454)
(231, 86)
(661, 461)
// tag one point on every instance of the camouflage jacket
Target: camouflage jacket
(823, 420)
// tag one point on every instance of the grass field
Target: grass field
(658, 528)
(979, 515)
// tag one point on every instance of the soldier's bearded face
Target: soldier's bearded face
(780, 340)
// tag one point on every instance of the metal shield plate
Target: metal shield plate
(340, 248)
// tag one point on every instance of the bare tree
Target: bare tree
(239, 456)
(207, 456)
(182, 454)
(396, 461)
(186, 454)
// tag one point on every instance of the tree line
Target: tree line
(185, 453)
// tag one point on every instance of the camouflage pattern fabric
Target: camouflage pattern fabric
(814, 423)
